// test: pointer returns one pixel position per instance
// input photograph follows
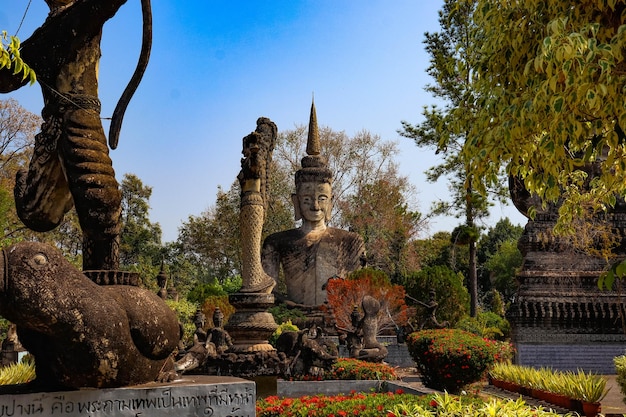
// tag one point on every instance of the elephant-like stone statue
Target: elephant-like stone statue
(80, 333)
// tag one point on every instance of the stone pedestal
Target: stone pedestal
(189, 397)
(251, 325)
(560, 318)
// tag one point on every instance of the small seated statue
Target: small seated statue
(217, 335)
(313, 253)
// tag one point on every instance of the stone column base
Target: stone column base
(251, 325)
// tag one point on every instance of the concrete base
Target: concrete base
(294, 389)
(188, 397)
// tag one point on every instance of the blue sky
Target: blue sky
(216, 66)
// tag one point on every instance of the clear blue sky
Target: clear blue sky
(218, 65)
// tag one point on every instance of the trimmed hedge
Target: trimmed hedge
(449, 359)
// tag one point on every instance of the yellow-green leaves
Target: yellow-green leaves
(10, 58)
(552, 76)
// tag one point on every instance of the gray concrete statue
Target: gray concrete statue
(80, 333)
(361, 338)
(313, 253)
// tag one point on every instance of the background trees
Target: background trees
(140, 239)
(453, 59)
(372, 199)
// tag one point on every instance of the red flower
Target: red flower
(433, 403)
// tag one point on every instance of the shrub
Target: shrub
(620, 367)
(581, 386)
(449, 359)
(202, 290)
(451, 294)
(185, 311)
(282, 313)
(347, 368)
(287, 326)
(486, 324)
(447, 405)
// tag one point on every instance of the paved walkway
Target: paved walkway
(612, 405)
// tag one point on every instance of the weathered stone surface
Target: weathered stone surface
(83, 334)
(313, 253)
(189, 397)
(558, 301)
(70, 165)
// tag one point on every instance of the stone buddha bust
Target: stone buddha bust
(312, 253)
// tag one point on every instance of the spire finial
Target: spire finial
(313, 141)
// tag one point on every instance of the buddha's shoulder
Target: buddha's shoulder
(342, 234)
(284, 236)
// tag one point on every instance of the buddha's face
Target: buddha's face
(314, 201)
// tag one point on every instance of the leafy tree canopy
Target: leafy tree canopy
(551, 78)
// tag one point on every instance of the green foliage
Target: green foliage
(210, 241)
(466, 406)
(354, 369)
(201, 291)
(232, 284)
(487, 325)
(438, 250)
(140, 239)
(4, 327)
(286, 326)
(551, 80)
(502, 267)
(499, 259)
(450, 359)
(283, 314)
(445, 129)
(464, 235)
(620, 367)
(451, 294)
(17, 373)
(492, 301)
(10, 58)
(185, 311)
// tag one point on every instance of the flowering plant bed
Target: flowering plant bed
(394, 405)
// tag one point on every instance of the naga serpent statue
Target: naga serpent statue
(70, 165)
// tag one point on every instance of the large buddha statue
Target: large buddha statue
(313, 253)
